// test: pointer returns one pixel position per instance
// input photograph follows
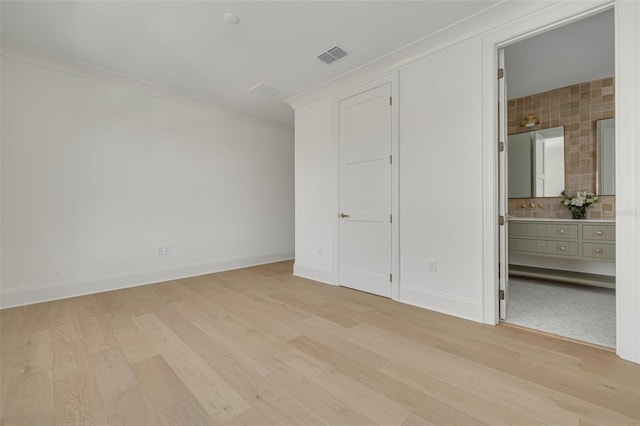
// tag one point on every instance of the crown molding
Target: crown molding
(33, 56)
(491, 18)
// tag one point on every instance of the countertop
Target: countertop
(544, 219)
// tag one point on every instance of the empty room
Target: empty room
(320, 212)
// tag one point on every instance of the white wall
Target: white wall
(316, 183)
(448, 163)
(440, 194)
(96, 176)
(439, 159)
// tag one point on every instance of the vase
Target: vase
(578, 212)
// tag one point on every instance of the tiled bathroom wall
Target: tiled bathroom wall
(551, 208)
(577, 108)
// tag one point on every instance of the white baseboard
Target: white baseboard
(464, 308)
(62, 290)
(313, 273)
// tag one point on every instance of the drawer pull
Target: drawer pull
(562, 248)
(562, 231)
(600, 233)
(599, 251)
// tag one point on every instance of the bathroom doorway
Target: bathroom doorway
(559, 121)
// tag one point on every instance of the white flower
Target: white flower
(582, 199)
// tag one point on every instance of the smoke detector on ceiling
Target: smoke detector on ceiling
(231, 18)
(332, 55)
(264, 90)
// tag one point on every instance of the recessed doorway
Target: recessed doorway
(559, 98)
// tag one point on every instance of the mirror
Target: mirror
(606, 138)
(536, 163)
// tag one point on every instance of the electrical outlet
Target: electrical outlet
(166, 249)
(433, 265)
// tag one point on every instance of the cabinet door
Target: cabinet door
(561, 230)
(599, 251)
(562, 248)
(599, 232)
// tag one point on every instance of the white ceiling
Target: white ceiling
(581, 51)
(186, 46)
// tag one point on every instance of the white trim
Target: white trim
(392, 78)
(627, 99)
(83, 70)
(464, 308)
(314, 273)
(462, 30)
(490, 194)
(61, 290)
(627, 156)
(552, 16)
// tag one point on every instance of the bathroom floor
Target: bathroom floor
(575, 311)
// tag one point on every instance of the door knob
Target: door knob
(342, 215)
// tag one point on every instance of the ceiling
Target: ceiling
(581, 51)
(186, 46)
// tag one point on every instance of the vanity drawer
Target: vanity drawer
(599, 251)
(558, 248)
(527, 246)
(599, 232)
(562, 248)
(523, 229)
(563, 231)
(544, 230)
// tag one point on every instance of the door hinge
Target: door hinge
(390, 218)
(390, 100)
(500, 73)
(501, 294)
(391, 159)
(500, 220)
(390, 278)
(500, 146)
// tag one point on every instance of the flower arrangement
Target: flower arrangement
(579, 203)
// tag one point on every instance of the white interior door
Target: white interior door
(503, 190)
(365, 126)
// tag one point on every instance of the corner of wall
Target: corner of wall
(313, 273)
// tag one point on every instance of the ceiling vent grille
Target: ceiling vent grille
(332, 55)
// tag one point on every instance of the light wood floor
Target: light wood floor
(258, 346)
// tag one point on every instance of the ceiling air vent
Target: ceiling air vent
(332, 55)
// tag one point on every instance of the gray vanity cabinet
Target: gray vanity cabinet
(563, 239)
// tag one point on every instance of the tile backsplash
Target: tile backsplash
(577, 108)
(551, 208)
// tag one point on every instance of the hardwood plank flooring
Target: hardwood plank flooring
(258, 346)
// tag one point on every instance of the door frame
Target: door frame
(503, 191)
(554, 16)
(393, 79)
